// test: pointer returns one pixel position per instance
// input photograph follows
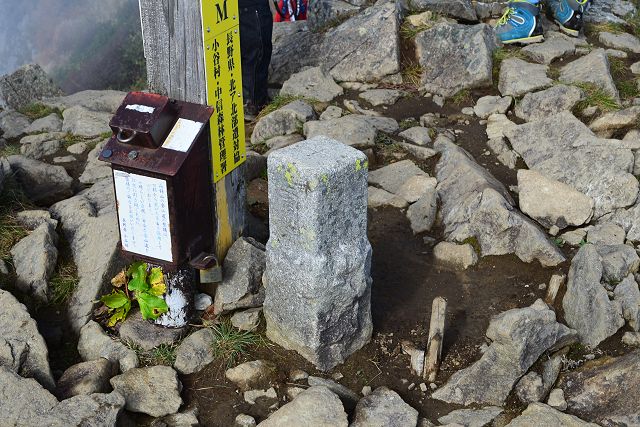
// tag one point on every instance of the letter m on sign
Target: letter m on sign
(221, 12)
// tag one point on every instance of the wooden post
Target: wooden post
(436, 335)
(556, 282)
(172, 37)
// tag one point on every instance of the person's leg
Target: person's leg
(251, 53)
(262, 72)
(520, 23)
(568, 14)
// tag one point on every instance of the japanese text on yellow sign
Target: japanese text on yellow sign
(220, 25)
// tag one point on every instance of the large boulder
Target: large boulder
(35, 259)
(384, 408)
(591, 69)
(195, 352)
(467, 52)
(95, 344)
(22, 348)
(95, 170)
(43, 183)
(606, 390)
(458, 9)
(81, 121)
(293, 49)
(587, 307)
(106, 101)
(474, 204)
(539, 105)
(312, 83)
(323, 13)
(539, 414)
(563, 148)
(23, 402)
(41, 145)
(518, 338)
(363, 48)
(90, 225)
(314, 407)
(518, 77)
(86, 378)
(353, 130)
(154, 390)
(286, 120)
(27, 84)
(13, 124)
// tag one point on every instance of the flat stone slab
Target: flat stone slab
(592, 68)
(312, 83)
(518, 77)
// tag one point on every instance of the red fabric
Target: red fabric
(286, 8)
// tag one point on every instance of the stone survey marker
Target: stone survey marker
(318, 291)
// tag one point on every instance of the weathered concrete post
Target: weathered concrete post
(318, 290)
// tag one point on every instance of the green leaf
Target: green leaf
(115, 300)
(119, 315)
(138, 281)
(156, 276)
(151, 306)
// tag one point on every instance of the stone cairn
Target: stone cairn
(318, 292)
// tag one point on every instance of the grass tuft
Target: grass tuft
(408, 123)
(280, 101)
(12, 200)
(63, 282)
(37, 111)
(230, 343)
(412, 74)
(10, 149)
(70, 139)
(500, 55)
(595, 96)
(462, 96)
(164, 354)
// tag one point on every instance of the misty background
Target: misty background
(82, 44)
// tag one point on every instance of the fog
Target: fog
(80, 43)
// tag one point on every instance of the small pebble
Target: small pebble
(337, 376)
(366, 390)
(411, 386)
(298, 375)
(423, 387)
(202, 301)
(433, 386)
(590, 356)
(542, 286)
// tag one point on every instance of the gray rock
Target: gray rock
(471, 417)
(488, 105)
(244, 420)
(5, 171)
(458, 9)
(474, 204)
(550, 370)
(631, 339)
(324, 14)
(43, 183)
(50, 123)
(95, 344)
(615, 53)
(555, 46)
(34, 258)
(13, 125)
(316, 406)
(106, 101)
(146, 334)
(586, 304)
(251, 375)
(606, 234)
(635, 68)
(592, 68)
(348, 397)
(63, 160)
(293, 49)
(422, 214)
(332, 112)
(90, 225)
(416, 186)
(606, 390)
(242, 274)
(25, 403)
(457, 256)
(530, 389)
(185, 419)
(317, 179)
(284, 121)
(421, 153)
(624, 41)
(519, 337)
(267, 397)
(539, 414)
(551, 202)
(312, 83)
(27, 84)
(467, 51)
(539, 105)
(41, 145)
(615, 120)
(384, 408)
(395, 175)
(377, 97)
(195, 352)
(378, 197)
(95, 170)
(628, 294)
(32, 219)
(505, 154)
(154, 390)
(418, 135)
(77, 148)
(618, 261)
(247, 320)
(86, 378)
(353, 130)
(350, 54)
(556, 400)
(518, 77)
(81, 121)
(563, 148)
(497, 125)
(28, 352)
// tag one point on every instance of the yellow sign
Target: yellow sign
(221, 37)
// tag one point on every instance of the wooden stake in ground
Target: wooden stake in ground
(436, 335)
(556, 282)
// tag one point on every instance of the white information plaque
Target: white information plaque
(182, 135)
(143, 210)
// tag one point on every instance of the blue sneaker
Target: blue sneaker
(568, 14)
(520, 23)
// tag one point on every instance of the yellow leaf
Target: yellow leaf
(119, 280)
(158, 289)
(156, 276)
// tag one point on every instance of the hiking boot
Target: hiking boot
(250, 112)
(568, 14)
(520, 23)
